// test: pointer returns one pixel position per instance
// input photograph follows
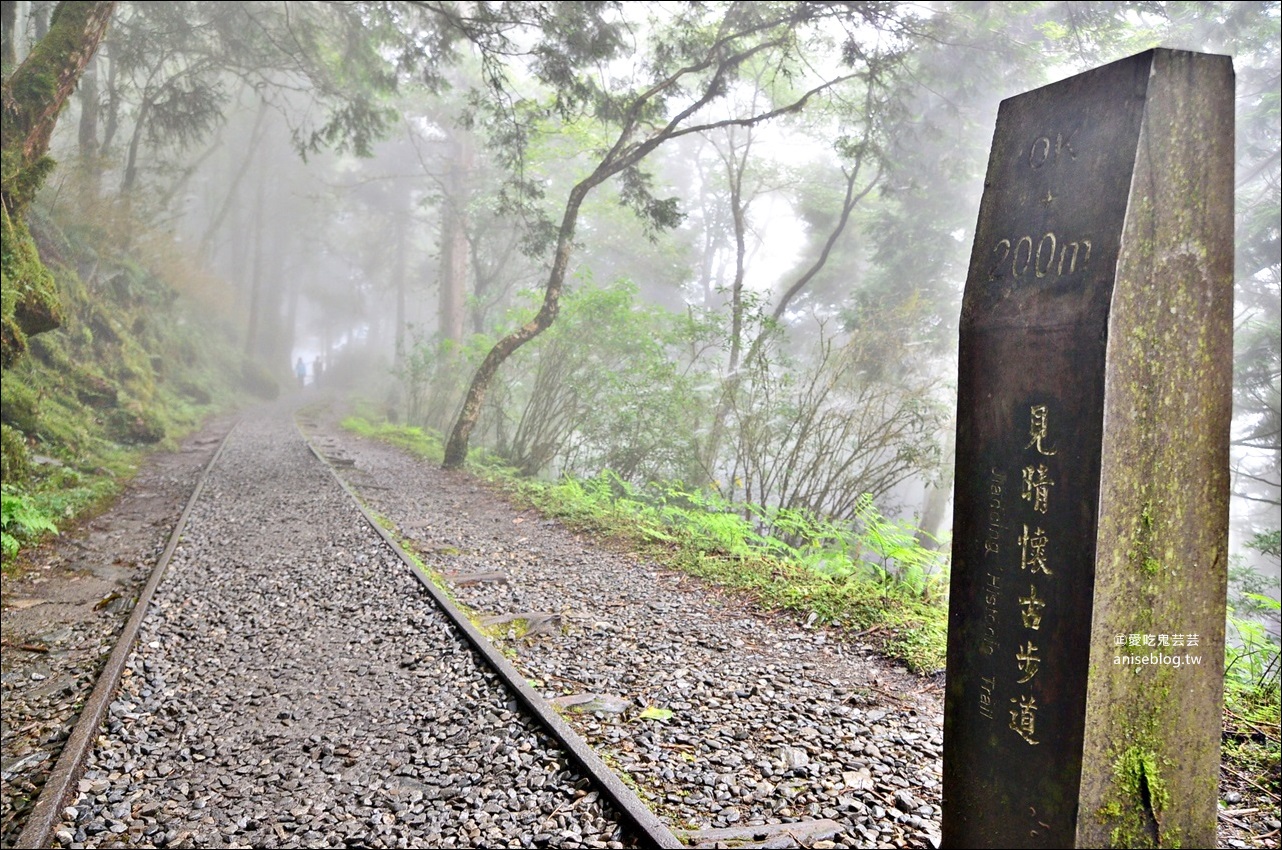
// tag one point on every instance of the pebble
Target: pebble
(267, 701)
(768, 724)
(749, 692)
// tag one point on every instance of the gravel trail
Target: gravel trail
(293, 686)
(771, 722)
(315, 698)
(65, 610)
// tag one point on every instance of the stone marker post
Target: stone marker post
(1086, 618)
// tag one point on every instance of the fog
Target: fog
(379, 190)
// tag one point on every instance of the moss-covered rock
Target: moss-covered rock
(135, 425)
(14, 463)
(30, 303)
(97, 392)
(19, 407)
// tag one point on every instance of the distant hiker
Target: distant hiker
(300, 369)
(317, 368)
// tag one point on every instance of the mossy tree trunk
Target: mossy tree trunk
(33, 96)
(456, 448)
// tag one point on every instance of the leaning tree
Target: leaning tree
(691, 61)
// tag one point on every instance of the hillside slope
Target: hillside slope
(143, 352)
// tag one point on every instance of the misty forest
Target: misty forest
(687, 274)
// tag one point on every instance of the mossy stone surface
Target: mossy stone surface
(1092, 472)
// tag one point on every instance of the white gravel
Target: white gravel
(772, 722)
(293, 686)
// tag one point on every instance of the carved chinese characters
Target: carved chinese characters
(1048, 425)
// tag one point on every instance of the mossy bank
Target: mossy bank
(130, 359)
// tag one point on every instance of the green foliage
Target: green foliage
(1267, 543)
(20, 520)
(874, 577)
(28, 294)
(177, 66)
(131, 365)
(15, 465)
(816, 424)
(433, 376)
(600, 389)
(1251, 662)
(1252, 679)
(1253, 706)
(899, 555)
(1252, 740)
(655, 713)
(19, 406)
(414, 370)
(409, 437)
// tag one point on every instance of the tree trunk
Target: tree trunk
(740, 215)
(848, 205)
(35, 94)
(454, 254)
(456, 448)
(135, 141)
(256, 275)
(290, 335)
(402, 220)
(736, 163)
(112, 123)
(453, 276)
(88, 135)
(236, 265)
(8, 27)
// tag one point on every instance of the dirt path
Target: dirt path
(62, 616)
(60, 619)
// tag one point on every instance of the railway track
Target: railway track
(295, 682)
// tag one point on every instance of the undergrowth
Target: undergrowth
(411, 438)
(870, 577)
(19, 516)
(57, 497)
(1252, 680)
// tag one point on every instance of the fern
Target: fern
(20, 519)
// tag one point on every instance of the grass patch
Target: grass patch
(911, 630)
(869, 577)
(56, 493)
(1252, 680)
(416, 441)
